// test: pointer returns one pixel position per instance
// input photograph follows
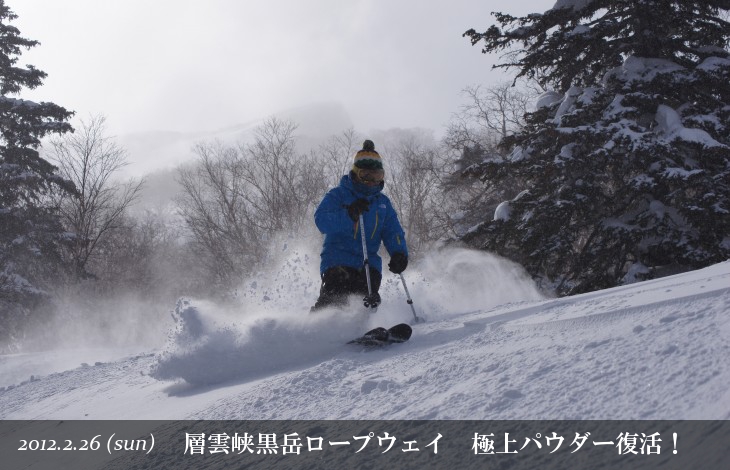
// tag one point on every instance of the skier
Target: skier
(337, 217)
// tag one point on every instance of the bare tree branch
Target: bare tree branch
(90, 159)
(236, 198)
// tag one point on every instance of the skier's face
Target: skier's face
(370, 177)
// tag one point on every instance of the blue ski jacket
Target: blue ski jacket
(342, 239)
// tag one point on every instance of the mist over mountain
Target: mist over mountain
(164, 150)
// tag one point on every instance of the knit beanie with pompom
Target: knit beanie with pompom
(367, 158)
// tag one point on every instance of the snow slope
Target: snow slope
(492, 348)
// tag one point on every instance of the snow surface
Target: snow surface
(492, 348)
(548, 99)
(641, 69)
(669, 126)
(502, 212)
(576, 5)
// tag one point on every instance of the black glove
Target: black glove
(356, 208)
(398, 263)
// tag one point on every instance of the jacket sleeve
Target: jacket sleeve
(394, 238)
(331, 216)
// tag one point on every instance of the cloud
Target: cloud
(182, 66)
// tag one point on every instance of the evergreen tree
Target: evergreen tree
(625, 167)
(30, 231)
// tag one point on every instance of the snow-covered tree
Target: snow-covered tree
(473, 134)
(623, 169)
(30, 231)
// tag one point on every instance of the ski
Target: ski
(382, 337)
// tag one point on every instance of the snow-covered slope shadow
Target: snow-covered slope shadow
(209, 348)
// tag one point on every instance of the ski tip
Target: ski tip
(381, 337)
(400, 333)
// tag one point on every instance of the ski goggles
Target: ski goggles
(369, 175)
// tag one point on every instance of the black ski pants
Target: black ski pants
(339, 282)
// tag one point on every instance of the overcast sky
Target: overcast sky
(180, 65)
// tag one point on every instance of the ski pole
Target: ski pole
(416, 318)
(369, 299)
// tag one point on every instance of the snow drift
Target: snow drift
(653, 350)
(211, 343)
